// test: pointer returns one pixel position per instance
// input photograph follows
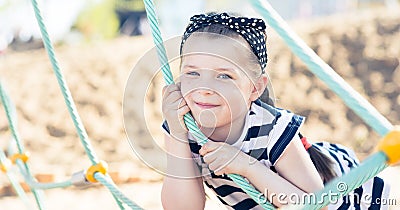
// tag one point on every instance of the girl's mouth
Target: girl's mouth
(205, 105)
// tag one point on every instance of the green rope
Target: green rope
(20, 191)
(323, 71)
(72, 111)
(26, 174)
(37, 185)
(118, 200)
(24, 169)
(14, 182)
(107, 181)
(343, 185)
(351, 180)
(64, 88)
(158, 41)
(189, 121)
(11, 117)
(376, 163)
(12, 125)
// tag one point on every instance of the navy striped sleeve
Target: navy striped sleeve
(377, 190)
(165, 127)
(288, 134)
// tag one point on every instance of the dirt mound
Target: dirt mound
(96, 75)
(365, 51)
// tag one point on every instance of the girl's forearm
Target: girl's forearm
(182, 194)
(180, 164)
(296, 180)
(275, 188)
(182, 187)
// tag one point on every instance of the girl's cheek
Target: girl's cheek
(237, 97)
(188, 85)
(185, 87)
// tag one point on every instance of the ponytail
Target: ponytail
(322, 162)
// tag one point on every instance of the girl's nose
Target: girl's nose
(205, 91)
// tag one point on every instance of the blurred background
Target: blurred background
(98, 42)
(76, 21)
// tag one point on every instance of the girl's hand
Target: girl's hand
(174, 107)
(223, 158)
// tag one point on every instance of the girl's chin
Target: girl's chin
(206, 125)
(210, 124)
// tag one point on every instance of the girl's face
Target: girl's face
(214, 80)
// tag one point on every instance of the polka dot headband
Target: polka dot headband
(251, 29)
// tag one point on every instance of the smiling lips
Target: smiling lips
(205, 105)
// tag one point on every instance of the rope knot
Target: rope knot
(24, 157)
(101, 167)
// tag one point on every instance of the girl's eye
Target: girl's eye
(192, 73)
(224, 76)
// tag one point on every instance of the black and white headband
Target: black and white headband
(251, 29)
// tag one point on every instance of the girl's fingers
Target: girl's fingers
(172, 95)
(173, 100)
(217, 168)
(209, 158)
(219, 172)
(183, 110)
(208, 147)
(173, 87)
(182, 103)
(213, 166)
(164, 89)
(167, 90)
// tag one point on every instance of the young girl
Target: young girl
(222, 85)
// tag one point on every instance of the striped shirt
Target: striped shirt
(372, 195)
(266, 134)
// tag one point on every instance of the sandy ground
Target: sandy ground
(365, 50)
(145, 194)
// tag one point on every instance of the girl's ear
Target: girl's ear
(259, 87)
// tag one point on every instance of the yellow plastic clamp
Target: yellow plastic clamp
(101, 167)
(24, 157)
(5, 165)
(390, 145)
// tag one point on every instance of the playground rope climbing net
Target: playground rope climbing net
(98, 171)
